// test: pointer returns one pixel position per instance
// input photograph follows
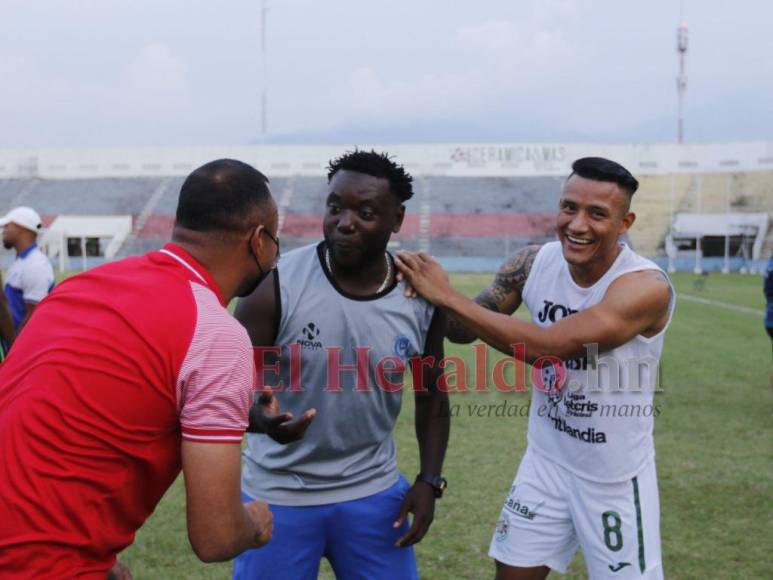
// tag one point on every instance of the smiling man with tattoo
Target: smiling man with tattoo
(588, 476)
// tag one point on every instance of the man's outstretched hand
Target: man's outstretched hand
(425, 275)
(266, 417)
(420, 501)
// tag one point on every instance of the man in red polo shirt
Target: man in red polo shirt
(125, 374)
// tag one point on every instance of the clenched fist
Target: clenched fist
(262, 521)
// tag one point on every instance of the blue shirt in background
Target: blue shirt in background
(769, 294)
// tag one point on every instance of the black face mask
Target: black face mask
(250, 287)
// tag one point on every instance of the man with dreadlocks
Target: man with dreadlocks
(344, 337)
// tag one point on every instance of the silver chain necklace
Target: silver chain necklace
(386, 259)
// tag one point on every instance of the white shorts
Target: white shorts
(550, 512)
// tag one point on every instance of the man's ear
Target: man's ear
(256, 240)
(626, 222)
(400, 218)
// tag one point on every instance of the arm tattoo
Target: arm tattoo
(510, 280)
(662, 277)
(457, 332)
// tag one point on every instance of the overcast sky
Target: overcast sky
(159, 72)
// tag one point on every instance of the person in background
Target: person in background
(30, 277)
(6, 325)
(768, 286)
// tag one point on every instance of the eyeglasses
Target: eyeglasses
(273, 239)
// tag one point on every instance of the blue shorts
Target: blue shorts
(355, 536)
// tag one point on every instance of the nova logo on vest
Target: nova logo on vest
(310, 332)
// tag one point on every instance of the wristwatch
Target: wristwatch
(437, 482)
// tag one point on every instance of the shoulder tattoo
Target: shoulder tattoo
(661, 277)
(510, 279)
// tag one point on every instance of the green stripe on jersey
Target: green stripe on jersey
(639, 528)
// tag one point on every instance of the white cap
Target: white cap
(23, 216)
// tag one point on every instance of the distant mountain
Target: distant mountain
(433, 131)
(702, 125)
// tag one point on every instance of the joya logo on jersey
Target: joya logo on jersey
(551, 310)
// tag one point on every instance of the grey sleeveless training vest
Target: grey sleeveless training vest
(347, 452)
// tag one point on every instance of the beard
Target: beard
(356, 258)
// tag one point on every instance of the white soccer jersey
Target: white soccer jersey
(599, 424)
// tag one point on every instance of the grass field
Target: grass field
(714, 440)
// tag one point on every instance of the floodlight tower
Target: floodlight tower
(681, 80)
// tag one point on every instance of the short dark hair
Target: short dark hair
(376, 165)
(600, 169)
(222, 195)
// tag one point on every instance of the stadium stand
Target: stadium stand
(472, 215)
(10, 189)
(89, 196)
(663, 200)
